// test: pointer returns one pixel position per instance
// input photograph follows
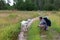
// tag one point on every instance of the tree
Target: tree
(2, 5)
(57, 4)
(31, 5)
(27, 5)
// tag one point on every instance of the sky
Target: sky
(11, 2)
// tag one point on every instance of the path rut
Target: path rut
(23, 34)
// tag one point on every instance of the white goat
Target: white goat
(24, 25)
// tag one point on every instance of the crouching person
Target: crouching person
(42, 24)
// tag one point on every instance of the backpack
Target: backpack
(47, 21)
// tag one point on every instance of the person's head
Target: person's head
(40, 18)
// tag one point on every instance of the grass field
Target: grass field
(34, 31)
(52, 34)
(10, 23)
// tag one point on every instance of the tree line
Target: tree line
(31, 5)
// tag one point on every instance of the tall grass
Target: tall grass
(55, 22)
(10, 32)
(34, 31)
(12, 16)
(11, 23)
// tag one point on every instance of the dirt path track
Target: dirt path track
(23, 34)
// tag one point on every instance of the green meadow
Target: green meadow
(53, 32)
(10, 23)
